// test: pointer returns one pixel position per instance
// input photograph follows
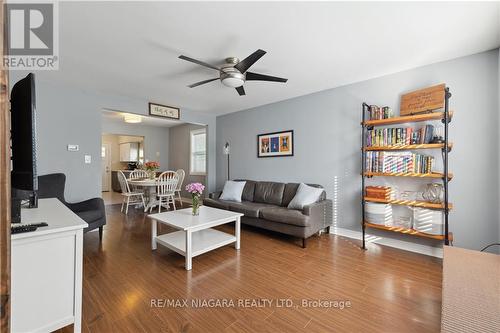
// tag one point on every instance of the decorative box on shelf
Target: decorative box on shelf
(379, 192)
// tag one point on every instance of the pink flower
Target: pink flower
(153, 165)
(195, 188)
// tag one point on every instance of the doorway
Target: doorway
(106, 166)
(174, 144)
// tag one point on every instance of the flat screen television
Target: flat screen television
(24, 179)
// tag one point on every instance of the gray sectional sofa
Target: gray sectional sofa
(264, 205)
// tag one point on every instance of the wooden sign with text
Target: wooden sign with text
(423, 100)
(164, 111)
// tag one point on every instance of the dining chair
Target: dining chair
(166, 184)
(127, 193)
(137, 174)
(178, 190)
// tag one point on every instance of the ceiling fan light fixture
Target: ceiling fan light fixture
(232, 82)
(232, 78)
(234, 72)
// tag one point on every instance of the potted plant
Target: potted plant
(196, 190)
(151, 168)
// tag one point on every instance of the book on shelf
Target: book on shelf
(392, 136)
(378, 113)
(398, 162)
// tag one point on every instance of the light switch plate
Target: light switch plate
(73, 148)
(88, 159)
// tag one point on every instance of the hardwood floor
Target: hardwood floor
(389, 290)
(112, 197)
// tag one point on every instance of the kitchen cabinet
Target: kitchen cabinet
(129, 152)
(115, 184)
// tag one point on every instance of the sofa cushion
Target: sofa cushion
(215, 195)
(289, 193)
(232, 191)
(250, 209)
(285, 215)
(269, 192)
(90, 215)
(306, 195)
(248, 190)
(216, 203)
(291, 190)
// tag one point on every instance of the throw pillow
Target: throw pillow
(305, 195)
(232, 191)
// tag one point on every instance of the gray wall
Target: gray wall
(156, 139)
(180, 137)
(68, 114)
(327, 141)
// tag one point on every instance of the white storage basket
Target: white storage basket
(378, 213)
(402, 217)
(428, 221)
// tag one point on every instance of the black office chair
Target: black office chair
(91, 211)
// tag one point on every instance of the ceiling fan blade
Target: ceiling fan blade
(183, 57)
(201, 82)
(241, 90)
(261, 77)
(245, 64)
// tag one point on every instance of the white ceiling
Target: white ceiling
(131, 49)
(118, 116)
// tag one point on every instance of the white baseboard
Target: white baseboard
(396, 243)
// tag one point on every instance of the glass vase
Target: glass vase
(152, 174)
(196, 205)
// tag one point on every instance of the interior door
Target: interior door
(106, 166)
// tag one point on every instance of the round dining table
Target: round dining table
(150, 190)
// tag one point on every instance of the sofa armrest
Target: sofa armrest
(320, 213)
(90, 204)
(215, 195)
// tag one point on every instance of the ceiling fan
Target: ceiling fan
(234, 73)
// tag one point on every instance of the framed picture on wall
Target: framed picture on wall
(164, 111)
(277, 144)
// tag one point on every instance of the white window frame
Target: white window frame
(191, 135)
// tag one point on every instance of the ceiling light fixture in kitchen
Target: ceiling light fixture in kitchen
(132, 118)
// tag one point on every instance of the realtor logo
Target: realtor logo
(32, 36)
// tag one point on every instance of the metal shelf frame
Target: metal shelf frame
(445, 119)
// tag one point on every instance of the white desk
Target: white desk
(46, 270)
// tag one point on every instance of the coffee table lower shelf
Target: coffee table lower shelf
(203, 241)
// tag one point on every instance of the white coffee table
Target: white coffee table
(195, 235)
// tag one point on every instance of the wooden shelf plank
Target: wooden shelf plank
(405, 231)
(410, 147)
(412, 203)
(410, 174)
(408, 119)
